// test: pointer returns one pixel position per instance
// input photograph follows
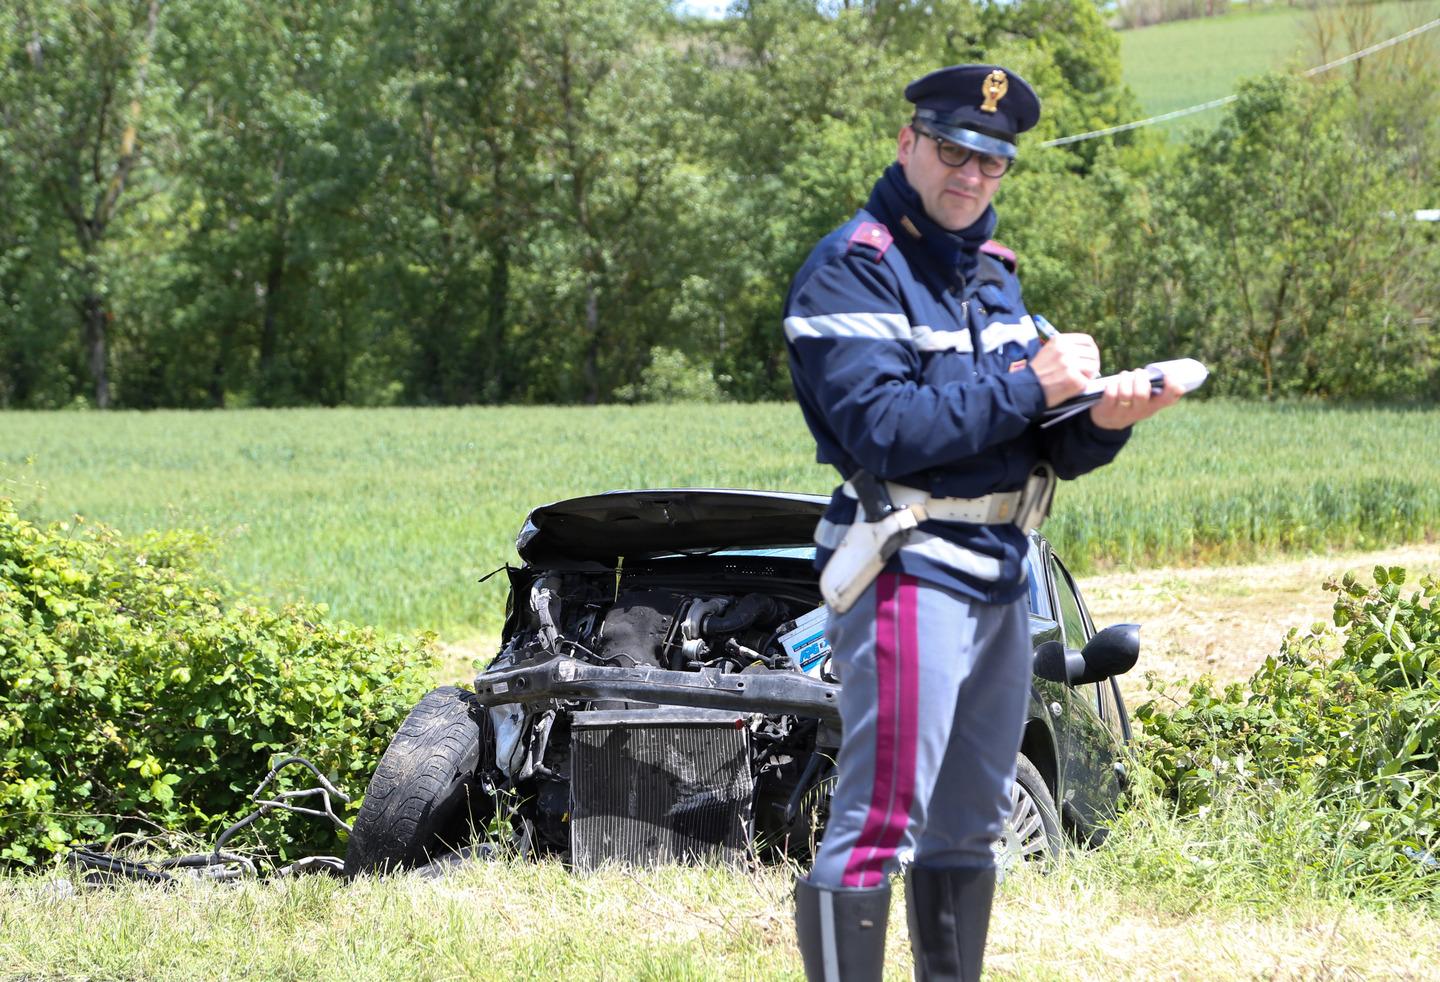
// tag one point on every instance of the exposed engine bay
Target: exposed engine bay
(655, 624)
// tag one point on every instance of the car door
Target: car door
(1048, 698)
(1088, 741)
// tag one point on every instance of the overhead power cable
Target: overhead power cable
(1226, 100)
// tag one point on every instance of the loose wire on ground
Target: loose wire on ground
(98, 864)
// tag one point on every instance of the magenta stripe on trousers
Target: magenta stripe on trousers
(897, 694)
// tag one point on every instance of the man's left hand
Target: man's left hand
(1128, 400)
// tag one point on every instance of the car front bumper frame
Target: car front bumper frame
(768, 692)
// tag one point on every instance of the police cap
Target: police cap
(983, 107)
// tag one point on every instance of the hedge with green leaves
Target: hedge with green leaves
(137, 693)
(1360, 732)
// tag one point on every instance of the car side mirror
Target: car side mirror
(1113, 651)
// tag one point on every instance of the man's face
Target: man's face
(954, 197)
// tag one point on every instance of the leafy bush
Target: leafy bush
(1356, 736)
(134, 693)
(672, 377)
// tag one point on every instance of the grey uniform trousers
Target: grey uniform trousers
(933, 689)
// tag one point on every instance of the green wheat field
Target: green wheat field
(1184, 63)
(391, 516)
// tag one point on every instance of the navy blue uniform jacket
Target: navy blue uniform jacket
(919, 375)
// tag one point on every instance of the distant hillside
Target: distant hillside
(1171, 66)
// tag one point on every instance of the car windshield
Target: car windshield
(1039, 602)
(781, 552)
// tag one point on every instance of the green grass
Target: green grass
(391, 516)
(1240, 481)
(1091, 918)
(1241, 892)
(1184, 63)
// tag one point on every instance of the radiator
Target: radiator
(656, 786)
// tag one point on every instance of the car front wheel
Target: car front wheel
(1032, 832)
(426, 798)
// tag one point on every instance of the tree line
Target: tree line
(375, 202)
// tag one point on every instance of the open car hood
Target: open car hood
(603, 527)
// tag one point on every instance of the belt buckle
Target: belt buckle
(1003, 513)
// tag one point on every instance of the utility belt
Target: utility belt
(892, 511)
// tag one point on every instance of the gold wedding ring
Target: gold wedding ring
(1124, 402)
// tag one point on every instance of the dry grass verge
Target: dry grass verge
(514, 920)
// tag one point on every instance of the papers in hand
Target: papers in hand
(1187, 371)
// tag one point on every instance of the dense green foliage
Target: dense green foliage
(448, 202)
(135, 695)
(1278, 249)
(1355, 738)
(391, 515)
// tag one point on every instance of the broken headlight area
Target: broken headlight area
(636, 717)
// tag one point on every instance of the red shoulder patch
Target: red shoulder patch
(993, 248)
(874, 235)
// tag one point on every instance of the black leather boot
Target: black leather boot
(949, 914)
(842, 932)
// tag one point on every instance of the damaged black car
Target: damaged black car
(663, 693)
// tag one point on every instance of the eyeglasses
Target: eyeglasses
(955, 155)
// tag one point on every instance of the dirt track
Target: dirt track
(1224, 620)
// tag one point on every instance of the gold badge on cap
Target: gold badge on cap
(994, 87)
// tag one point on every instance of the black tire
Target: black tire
(426, 798)
(1032, 832)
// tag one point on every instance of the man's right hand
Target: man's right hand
(1065, 364)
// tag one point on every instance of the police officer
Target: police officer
(922, 377)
